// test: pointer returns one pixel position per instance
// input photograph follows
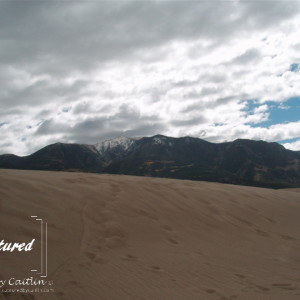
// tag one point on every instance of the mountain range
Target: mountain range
(244, 162)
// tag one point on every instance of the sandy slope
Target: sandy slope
(120, 237)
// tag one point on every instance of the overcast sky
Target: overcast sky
(84, 71)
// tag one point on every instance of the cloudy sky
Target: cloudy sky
(84, 71)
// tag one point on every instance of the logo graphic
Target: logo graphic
(43, 272)
(31, 284)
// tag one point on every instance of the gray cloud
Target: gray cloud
(200, 105)
(87, 70)
(127, 121)
(251, 55)
(49, 127)
(40, 93)
(208, 82)
(265, 14)
(209, 91)
(7, 114)
(190, 122)
(186, 83)
(103, 133)
(55, 36)
(82, 107)
(43, 114)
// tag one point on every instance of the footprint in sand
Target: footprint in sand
(270, 220)
(173, 241)
(90, 255)
(232, 297)
(147, 214)
(287, 237)
(114, 235)
(130, 257)
(114, 242)
(262, 233)
(166, 227)
(116, 190)
(262, 288)
(100, 260)
(284, 286)
(72, 283)
(113, 229)
(85, 265)
(155, 269)
(240, 276)
(171, 235)
(210, 291)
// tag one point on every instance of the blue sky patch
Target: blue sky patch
(294, 67)
(285, 112)
(66, 109)
(288, 141)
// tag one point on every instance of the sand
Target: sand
(123, 237)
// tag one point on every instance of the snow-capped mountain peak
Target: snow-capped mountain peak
(122, 142)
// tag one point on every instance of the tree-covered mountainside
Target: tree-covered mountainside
(244, 162)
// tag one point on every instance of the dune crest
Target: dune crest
(122, 237)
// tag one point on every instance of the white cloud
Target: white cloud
(295, 146)
(178, 68)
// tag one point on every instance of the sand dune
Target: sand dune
(122, 238)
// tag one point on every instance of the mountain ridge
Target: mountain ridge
(245, 162)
